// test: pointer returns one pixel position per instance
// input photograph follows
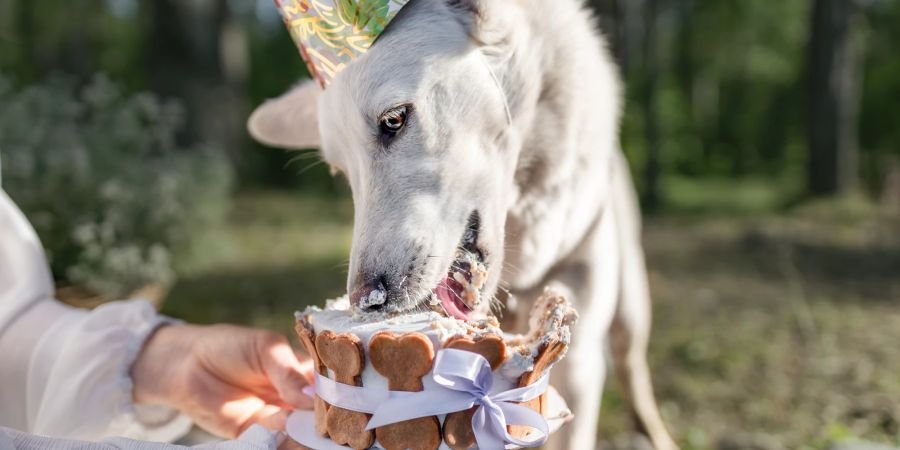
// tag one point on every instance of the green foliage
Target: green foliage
(116, 200)
(289, 250)
(748, 196)
(879, 133)
(730, 92)
(42, 36)
(732, 76)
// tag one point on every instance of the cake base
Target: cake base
(301, 425)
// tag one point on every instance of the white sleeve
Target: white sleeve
(24, 275)
(255, 438)
(65, 371)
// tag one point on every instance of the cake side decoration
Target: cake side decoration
(424, 380)
(343, 355)
(404, 360)
(308, 339)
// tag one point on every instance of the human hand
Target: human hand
(223, 377)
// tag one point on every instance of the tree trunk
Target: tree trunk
(649, 107)
(25, 40)
(196, 53)
(834, 96)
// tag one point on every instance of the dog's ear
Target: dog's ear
(290, 121)
(489, 21)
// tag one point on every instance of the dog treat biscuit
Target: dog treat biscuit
(458, 434)
(547, 341)
(307, 337)
(548, 354)
(404, 360)
(490, 346)
(343, 354)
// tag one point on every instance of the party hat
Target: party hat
(332, 33)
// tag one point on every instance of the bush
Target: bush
(116, 200)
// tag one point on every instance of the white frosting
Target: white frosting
(550, 318)
(517, 363)
(375, 297)
(340, 318)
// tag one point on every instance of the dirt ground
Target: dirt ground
(777, 332)
(771, 331)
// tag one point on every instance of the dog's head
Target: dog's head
(420, 127)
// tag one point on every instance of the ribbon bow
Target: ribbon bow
(465, 380)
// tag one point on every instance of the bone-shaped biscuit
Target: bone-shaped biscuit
(458, 434)
(404, 360)
(550, 320)
(548, 354)
(307, 337)
(343, 354)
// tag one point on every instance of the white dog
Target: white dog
(491, 127)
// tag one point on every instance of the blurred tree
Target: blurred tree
(649, 106)
(834, 95)
(713, 89)
(879, 115)
(189, 49)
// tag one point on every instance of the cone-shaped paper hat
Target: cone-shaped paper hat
(332, 33)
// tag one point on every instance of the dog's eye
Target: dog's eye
(393, 120)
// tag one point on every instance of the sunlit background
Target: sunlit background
(764, 137)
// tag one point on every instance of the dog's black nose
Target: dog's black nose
(371, 295)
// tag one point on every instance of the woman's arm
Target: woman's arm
(223, 377)
(65, 371)
(122, 369)
(255, 438)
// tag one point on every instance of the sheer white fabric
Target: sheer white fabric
(64, 372)
(255, 438)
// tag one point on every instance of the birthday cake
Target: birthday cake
(363, 352)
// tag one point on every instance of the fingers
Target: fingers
(307, 365)
(306, 368)
(235, 416)
(287, 373)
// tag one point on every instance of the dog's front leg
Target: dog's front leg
(590, 279)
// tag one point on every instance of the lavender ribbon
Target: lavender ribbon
(465, 380)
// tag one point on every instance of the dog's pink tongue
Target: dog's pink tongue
(448, 293)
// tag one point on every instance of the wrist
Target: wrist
(156, 371)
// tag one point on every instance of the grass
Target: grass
(771, 330)
(743, 197)
(777, 332)
(285, 251)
